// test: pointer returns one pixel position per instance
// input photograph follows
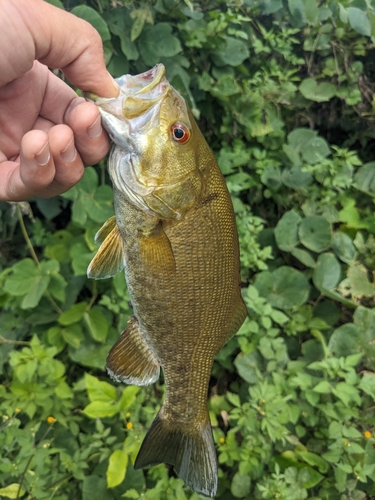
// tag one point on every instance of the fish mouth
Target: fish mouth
(133, 113)
(138, 94)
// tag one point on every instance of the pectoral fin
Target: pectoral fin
(156, 251)
(105, 229)
(109, 259)
(131, 360)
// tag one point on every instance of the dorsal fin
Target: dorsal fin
(109, 259)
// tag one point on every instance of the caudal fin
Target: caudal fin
(191, 452)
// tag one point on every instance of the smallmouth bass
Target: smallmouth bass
(175, 235)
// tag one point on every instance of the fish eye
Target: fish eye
(180, 133)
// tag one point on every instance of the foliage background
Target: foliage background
(284, 93)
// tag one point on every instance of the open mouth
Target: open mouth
(138, 94)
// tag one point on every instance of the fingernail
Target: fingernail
(42, 158)
(95, 129)
(69, 153)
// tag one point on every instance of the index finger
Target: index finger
(38, 30)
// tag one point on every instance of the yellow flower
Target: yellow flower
(367, 434)
(51, 420)
(221, 440)
(129, 426)
(17, 410)
(127, 415)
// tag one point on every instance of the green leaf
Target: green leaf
(139, 16)
(240, 486)
(295, 178)
(91, 354)
(118, 65)
(304, 257)
(128, 397)
(314, 460)
(72, 335)
(90, 15)
(248, 366)
(347, 393)
(57, 286)
(279, 317)
(359, 21)
(365, 178)
(360, 285)
(297, 10)
(96, 324)
(94, 488)
(323, 387)
(99, 390)
(21, 281)
(343, 247)
(73, 315)
(345, 340)
(309, 477)
(315, 233)
(32, 299)
(286, 231)
(327, 272)
(304, 143)
(367, 384)
(284, 288)
(300, 137)
(100, 409)
(11, 491)
(318, 92)
(234, 54)
(99, 207)
(271, 177)
(315, 151)
(341, 479)
(118, 462)
(157, 41)
(81, 258)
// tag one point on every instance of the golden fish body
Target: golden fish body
(175, 235)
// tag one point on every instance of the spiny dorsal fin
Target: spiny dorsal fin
(109, 259)
(191, 451)
(105, 229)
(131, 360)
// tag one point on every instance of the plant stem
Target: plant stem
(26, 236)
(34, 256)
(3, 340)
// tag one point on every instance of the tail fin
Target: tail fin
(191, 452)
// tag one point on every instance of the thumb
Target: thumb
(57, 39)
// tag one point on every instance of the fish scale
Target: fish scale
(178, 244)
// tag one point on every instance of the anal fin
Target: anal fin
(109, 259)
(131, 360)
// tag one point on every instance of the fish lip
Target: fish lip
(152, 77)
(133, 85)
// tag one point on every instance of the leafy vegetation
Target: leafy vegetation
(284, 93)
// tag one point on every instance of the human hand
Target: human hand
(47, 132)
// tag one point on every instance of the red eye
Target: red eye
(180, 133)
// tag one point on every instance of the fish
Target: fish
(174, 234)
